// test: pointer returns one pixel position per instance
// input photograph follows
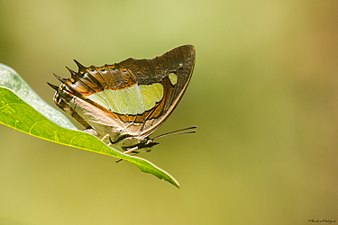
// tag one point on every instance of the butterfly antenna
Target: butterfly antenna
(188, 130)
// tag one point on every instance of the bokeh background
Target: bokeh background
(264, 95)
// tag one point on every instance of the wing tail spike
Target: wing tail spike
(79, 65)
(59, 78)
(72, 72)
(53, 86)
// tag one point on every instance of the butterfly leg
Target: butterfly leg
(130, 150)
(106, 139)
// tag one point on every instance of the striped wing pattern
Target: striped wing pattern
(74, 94)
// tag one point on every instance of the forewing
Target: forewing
(173, 70)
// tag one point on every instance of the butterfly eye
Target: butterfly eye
(180, 66)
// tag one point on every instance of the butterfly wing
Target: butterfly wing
(131, 97)
(172, 70)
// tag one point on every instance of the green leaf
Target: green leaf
(27, 112)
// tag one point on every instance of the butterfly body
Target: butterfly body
(125, 102)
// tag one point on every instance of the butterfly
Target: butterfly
(124, 103)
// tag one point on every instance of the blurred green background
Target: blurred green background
(264, 95)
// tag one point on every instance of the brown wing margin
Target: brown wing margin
(181, 61)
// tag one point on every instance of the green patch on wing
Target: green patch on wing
(132, 100)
